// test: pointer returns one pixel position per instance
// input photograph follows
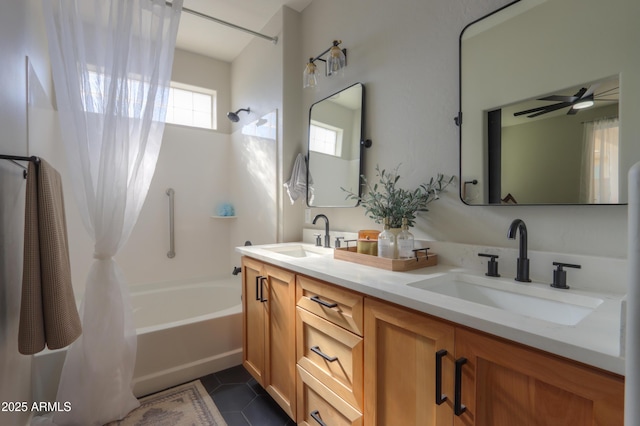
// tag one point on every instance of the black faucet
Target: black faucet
(327, 239)
(522, 274)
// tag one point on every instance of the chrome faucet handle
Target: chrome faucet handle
(560, 275)
(337, 244)
(318, 239)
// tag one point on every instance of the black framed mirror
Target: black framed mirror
(335, 148)
(524, 74)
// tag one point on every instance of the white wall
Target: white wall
(264, 77)
(257, 84)
(194, 163)
(406, 54)
(21, 35)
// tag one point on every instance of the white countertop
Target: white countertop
(594, 341)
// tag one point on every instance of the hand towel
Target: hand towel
(297, 184)
(48, 312)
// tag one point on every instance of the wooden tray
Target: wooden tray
(351, 255)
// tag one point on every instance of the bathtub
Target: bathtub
(185, 330)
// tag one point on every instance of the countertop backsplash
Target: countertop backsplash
(596, 273)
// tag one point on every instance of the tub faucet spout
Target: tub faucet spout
(327, 238)
(522, 272)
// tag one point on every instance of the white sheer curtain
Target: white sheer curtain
(111, 62)
(599, 183)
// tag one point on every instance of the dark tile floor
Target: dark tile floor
(242, 401)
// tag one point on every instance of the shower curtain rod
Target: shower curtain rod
(274, 40)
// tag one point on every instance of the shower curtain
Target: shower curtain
(111, 63)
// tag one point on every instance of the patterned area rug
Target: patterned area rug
(187, 404)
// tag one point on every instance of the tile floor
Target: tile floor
(242, 401)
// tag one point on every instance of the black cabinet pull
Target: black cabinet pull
(317, 350)
(262, 280)
(458, 407)
(258, 278)
(323, 303)
(315, 415)
(440, 397)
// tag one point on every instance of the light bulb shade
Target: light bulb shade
(336, 61)
(583, 104)
(310, 76)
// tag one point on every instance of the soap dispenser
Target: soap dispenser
(405, 241)
(386, 241)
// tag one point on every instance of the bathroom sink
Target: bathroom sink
(555, 306)
(300, 250)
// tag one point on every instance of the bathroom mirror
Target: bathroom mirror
(524, 72)
(335, 148)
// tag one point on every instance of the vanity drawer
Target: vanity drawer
(331, 354)
(339, 306)
(317, 400)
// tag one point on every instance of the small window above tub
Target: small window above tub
(191, 106)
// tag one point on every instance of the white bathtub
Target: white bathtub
(185, 331)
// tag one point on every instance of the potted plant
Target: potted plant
(385, 199)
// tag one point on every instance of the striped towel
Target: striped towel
(48, 313)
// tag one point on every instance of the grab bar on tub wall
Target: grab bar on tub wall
(172, 244)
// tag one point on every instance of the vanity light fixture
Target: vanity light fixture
(310, 75)
(334, 64)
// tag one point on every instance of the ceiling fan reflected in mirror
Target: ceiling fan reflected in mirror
(583, 98)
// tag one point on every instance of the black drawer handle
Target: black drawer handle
(458, 407)
(317, 350)
(258, 278)
(440, 397)
(315, 415)
(262, 280)
(323, 303)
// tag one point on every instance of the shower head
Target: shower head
(233, 116)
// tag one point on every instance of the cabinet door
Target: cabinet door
(280, 381)
(505, 384)
(253, 319)
(400, 367)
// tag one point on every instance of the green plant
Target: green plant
(386, 199)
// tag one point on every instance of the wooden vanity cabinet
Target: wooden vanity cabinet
(400, 367)
(502, 383)
(505, 383)
(329, 355)
(268, 330)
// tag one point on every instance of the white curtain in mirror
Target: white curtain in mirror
(600, 172)
(111, 62)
